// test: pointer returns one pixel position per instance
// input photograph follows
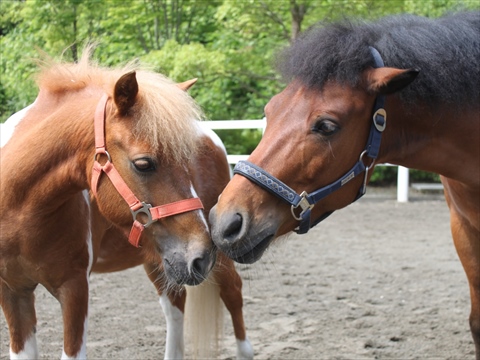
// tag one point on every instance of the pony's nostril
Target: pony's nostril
(234, 227)
(200, 267)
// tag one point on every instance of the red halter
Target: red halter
(136, 206)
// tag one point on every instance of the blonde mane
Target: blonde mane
(165, 115)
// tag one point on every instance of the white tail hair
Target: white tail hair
(204, 320)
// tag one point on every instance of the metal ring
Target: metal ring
(145, 209)
(104, 152)
(364, 152)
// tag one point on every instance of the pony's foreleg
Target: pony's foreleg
(73, 296)
(465, 225)
(231, 294)
(174, 347)
(469, 254)
(19, 309)
(173, 306)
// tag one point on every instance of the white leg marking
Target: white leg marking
(86, 195)
(244, 350)
(174, 347)
(30, 350)
(7, 128)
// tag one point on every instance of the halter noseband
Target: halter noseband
(306, 201)
(136, 206)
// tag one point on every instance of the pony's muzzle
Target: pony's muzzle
(184, 269)
(228, 229)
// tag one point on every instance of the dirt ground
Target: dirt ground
(377, 280)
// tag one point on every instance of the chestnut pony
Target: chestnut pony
(99, 162)
(354, 99)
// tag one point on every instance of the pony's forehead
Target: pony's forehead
(164, 114)
(167, 117)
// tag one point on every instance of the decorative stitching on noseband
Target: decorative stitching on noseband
(262, 178)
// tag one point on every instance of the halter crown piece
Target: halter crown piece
(306, 201)
(136, 206)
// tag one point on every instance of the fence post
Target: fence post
(402, 184)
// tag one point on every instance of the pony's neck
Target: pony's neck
(45, 162)
(436, 141)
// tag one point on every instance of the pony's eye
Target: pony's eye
(325, 127)
(144, 165)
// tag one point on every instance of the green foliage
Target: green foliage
(423, 176)
(230, 45)
(384, 175)
(240, 141)
(387, 175)
(9, 16)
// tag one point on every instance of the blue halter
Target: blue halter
(306, 201)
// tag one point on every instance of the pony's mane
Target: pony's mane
(165, 114)
(445, 50)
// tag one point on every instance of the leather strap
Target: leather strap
(135, 205)
(175, 208)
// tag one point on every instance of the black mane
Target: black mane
(445, 50)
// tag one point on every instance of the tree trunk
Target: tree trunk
(74, 46)
(298, 12)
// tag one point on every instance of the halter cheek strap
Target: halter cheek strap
(306, 201)
(136, 206)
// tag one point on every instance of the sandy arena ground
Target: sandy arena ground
(377, 280)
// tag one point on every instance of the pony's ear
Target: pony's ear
(126, 90)
(387, 80)
(187, 84)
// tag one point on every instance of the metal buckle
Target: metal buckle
(304, 204)
(383, 113)
(363, 189)
(145, 209)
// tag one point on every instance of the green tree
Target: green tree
(123, 30)
(230, 45)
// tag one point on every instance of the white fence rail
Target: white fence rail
(402, 177)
